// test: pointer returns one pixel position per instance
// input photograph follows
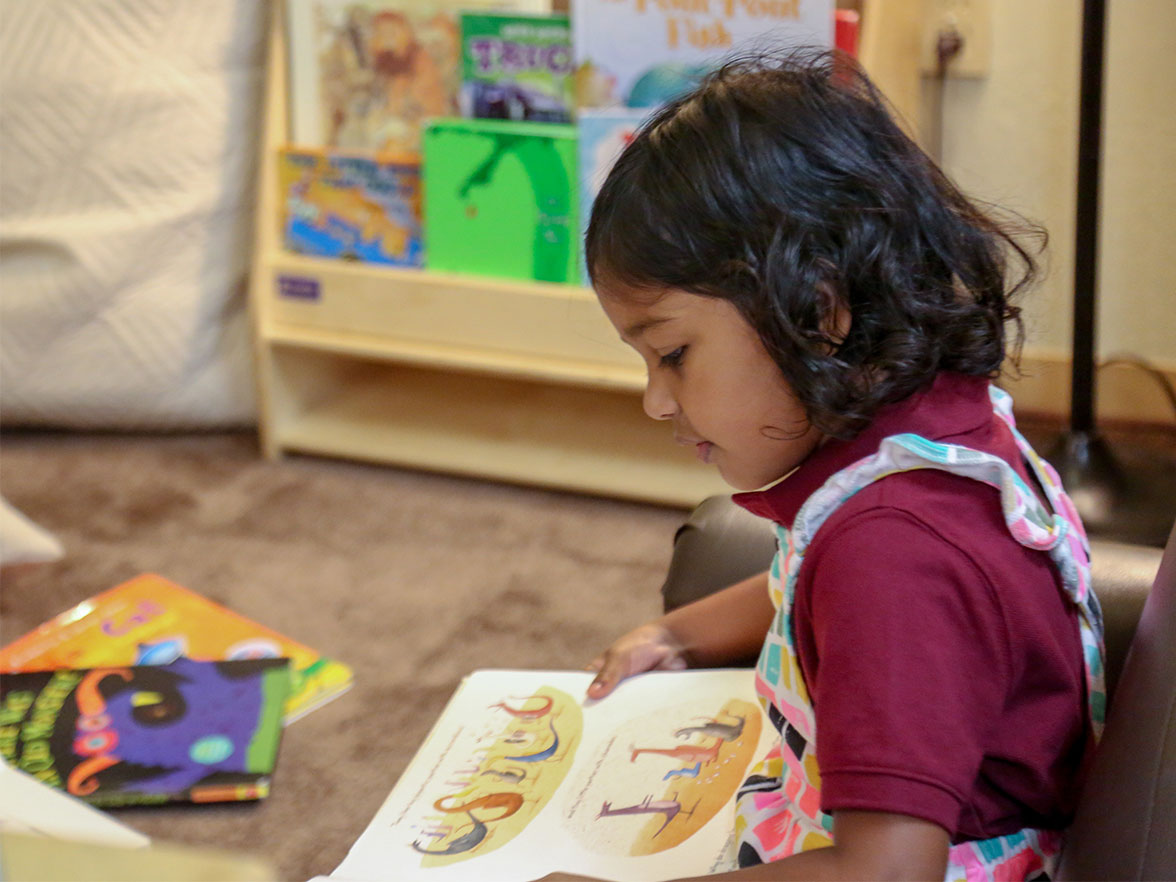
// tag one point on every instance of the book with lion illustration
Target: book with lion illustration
(365, 74)
(523, 776)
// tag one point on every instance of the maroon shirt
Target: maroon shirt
(942, 658)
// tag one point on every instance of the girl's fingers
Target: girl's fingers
(648, 648)
(607, 676)
(600, 687)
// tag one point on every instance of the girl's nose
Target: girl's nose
(658, 401)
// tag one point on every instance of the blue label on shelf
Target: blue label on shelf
(299, 287)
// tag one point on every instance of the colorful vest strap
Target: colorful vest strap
(778, 810)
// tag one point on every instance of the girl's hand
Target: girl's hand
(651, 647)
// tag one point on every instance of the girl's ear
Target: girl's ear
(837, 317)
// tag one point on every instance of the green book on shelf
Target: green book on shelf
(501, 199)
(516, 67)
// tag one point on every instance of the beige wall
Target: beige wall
(1012, 138)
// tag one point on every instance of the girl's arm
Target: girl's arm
(721, 629)
(869, 845)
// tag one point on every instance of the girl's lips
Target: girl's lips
(703, 450)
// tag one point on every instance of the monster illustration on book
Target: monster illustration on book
(201, 731)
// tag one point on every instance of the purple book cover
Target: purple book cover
(196, 731)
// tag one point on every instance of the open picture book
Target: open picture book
(522, 776)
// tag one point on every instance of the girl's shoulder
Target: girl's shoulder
(927, 543)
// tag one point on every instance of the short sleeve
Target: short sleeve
(905, 653)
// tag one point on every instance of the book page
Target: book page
(522, 776)
(29, 807)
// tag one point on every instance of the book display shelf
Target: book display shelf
(513, 381)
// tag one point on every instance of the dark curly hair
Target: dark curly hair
(782, 184)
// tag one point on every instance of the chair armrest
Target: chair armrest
(1122, 576)
(718, 545)
(1123, 826)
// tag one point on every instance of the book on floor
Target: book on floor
(188, 731)
(522, 776)
(151, 620)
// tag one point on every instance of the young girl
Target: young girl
(821, 311)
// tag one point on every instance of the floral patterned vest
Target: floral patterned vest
(778, 810)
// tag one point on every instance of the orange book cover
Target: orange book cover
(150, 620)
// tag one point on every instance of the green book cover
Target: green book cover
(501, 199)
(516, 67)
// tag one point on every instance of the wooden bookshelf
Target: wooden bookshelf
(495, 379)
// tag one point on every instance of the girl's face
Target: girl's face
(710, 375)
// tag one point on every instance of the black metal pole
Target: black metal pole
(1131, 499)
(1082, 387)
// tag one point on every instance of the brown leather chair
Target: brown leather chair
(1126, 822)
(1125, 827)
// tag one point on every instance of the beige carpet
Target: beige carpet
(412, 579)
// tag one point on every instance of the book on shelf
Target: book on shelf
(151, 620)
(195, 731)
(522, 776)
(640, 54)
(500, 199)
(364, 75)
(603, 134)
(631, 57)
(349, 206)
(516, 66)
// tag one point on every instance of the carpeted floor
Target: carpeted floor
(412, 579)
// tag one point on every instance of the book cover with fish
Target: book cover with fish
(634, 53)
(195, 731)
(365, 208)
(638, 786)
(151, 620)
(516, 67)
(500, 199)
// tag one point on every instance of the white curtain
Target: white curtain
(128, 147)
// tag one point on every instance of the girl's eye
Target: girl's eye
(673, 359)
